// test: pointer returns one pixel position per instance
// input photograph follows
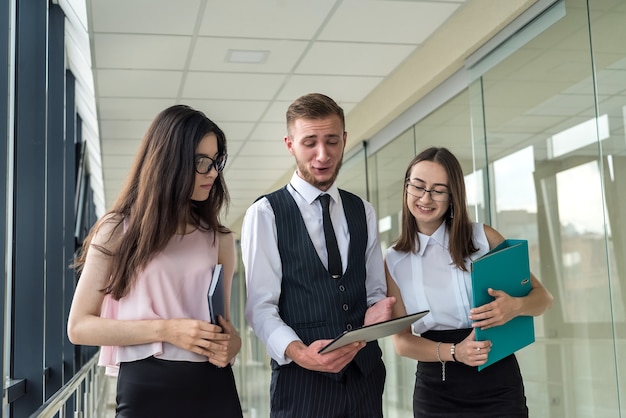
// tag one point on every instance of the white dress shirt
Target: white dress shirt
(259, 247)
(429, 280)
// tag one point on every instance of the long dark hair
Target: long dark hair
(459, 227)
(156, 198)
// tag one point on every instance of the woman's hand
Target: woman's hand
(200, 337)
(471, 352)
(498, 312)
(229, 347)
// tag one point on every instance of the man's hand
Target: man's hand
(333, 362)
(380, 311)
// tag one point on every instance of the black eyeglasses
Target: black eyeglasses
(436, 195)
(204, 163)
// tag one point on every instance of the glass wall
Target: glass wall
(553, 132)
(540, 134)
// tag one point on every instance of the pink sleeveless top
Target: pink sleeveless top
(174, 284)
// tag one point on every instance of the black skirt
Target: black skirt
(160, 388)
(496, 391)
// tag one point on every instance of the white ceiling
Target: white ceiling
(149, 54)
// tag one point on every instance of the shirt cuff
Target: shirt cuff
(278, 342)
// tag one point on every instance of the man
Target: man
(295, 306)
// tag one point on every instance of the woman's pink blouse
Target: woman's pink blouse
(174, 284)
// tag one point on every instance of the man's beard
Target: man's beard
(310, 178)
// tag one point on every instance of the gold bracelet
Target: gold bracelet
(443, 364)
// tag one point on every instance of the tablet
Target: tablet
(373, 332)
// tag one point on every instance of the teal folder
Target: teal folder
(506, 268)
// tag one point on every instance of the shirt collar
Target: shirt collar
(309, 192)
(439, 237)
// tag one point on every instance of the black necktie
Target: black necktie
(334, 258)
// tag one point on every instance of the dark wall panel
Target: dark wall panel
(29, 208)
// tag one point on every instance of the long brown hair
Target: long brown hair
(156, 198)
(459, 227)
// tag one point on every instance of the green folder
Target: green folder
(505, 268)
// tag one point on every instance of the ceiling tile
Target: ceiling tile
(353, 58)
(210, 54)
(137, 83)
(266, 174)
(340, 88)
(128, 51)
(236, 130)
(114, 177)
(270, 131)
(120, 149)
(123, 108)
(234, 146)
(230, 110)
(144, 16)
(264, 148)
(120, 162)
(262, 164)
(123, 129)
(387, 21)
(276, 111)
(231, 86)
(279, 19)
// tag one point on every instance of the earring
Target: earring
(451, 212)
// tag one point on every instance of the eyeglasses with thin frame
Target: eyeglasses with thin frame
(204, 163)
(436, 195)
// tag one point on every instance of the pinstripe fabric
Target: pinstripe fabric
(317, 307)
(297, 392)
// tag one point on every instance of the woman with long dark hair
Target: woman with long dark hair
(145, 270)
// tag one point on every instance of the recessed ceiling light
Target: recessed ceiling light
(247, 57)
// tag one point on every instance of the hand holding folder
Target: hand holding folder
(505, 268)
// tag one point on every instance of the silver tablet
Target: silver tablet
(373, 332)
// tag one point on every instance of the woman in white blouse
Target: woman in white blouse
(428, 269)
